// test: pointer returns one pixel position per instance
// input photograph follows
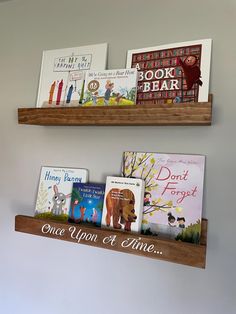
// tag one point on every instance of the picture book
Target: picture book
(110, 87)
(123, 204)
(173, 192)
(87, 203)
(62, 74)
(54, 191)
(175, 73)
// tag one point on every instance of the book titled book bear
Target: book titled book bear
(172, 73)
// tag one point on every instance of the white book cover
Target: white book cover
(62, 74)
(123, 204)
(54, 191)
(110, 87)
(172, 73)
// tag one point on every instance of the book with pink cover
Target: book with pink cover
(173, 192)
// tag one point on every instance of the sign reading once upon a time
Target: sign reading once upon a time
(79, 235)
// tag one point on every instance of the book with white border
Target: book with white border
(62, 74)
(54, 191)
(110, 87)
(123, 204)
(165, 75)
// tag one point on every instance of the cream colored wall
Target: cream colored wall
(39, 275)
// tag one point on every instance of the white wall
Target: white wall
(39, 275)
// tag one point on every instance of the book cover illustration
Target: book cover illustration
(62, 74)
(173, 192)
(87, 203)
(110, 87)
(54, 191)
(175, 73)
(123, 204)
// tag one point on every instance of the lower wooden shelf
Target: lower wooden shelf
(153, 247)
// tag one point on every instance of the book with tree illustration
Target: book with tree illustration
(62, 74)
(173, 192)
(87, 203)
(172, 73)
(54, 191)
(123, 204)
(110, 87)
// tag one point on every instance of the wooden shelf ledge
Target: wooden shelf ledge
(160, 114)
(153, 247)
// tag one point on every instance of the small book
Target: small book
(54, 191)
(174, 73)
(173, 192)
(62, 74)
(123, 204)
(87, 203)
(110, 87)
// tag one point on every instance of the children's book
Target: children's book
(175, 73)
(110, 87)
(173, 192)
(54, 191)
(62, 74)
(87, 203)
(123, 204)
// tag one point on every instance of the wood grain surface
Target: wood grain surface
(133, 243)
(159, 114)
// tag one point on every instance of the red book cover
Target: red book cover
(175, 73)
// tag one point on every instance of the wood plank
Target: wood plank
(152, 247)
(149, 114)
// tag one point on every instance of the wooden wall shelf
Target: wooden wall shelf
(166, 114)
(153, 247)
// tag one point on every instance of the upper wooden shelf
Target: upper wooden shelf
(166, 114)
(133, 243)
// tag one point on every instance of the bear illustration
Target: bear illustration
(120, 208)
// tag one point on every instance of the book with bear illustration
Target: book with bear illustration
(54, 191)
(173, 192)
(175, 73)
(62, 74)
(110, 87)
(87, 203)
(123, 204)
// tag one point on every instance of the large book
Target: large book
(55, 189)
(174, 73)
(87, 203)
(110, 87)
(62, 74)
(123, 204)
(173, 192)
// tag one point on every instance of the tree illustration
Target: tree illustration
(75, 200)
(144, 166)
(100, 206)
(41, 204)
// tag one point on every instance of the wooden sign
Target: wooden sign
(168, 250)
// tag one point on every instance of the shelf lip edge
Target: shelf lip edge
(194, 250)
